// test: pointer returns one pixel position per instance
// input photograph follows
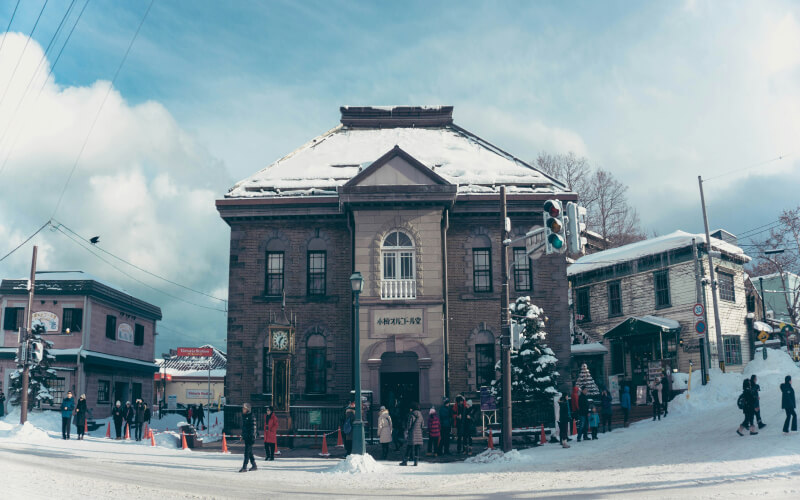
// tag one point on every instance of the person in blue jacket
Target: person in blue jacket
(625, 404)
(67, 405)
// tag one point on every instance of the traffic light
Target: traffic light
(553, 217)
(37, 352)
(576, 217)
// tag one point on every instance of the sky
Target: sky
(211, 92)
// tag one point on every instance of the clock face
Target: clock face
(280, 339)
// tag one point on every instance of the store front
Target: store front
(649, 346)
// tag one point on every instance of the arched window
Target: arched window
(398, 261)
(484, 359)
(316, 365)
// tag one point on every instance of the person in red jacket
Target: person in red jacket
(434, 433)
(270, 433)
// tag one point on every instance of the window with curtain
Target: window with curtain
(317, 262)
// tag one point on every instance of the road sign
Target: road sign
(196, 351)
(763, 336)
(698, 309)
(700, 327)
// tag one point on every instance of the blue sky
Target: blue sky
(656, 92)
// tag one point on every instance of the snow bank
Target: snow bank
(356, 464)
(48, 421)
(26, 432)
(495, 456)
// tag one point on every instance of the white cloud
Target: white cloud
(145, 186)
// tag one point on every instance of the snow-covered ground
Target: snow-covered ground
(693, 453)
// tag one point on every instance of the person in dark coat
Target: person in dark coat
(564, 419)
(655, 392)
(347, 427)
(605, 411)
(459, 415)
(583, 414)
(147, 415)
(270, 433)
(446, 423)
(666, 392)
(788, 403)
(128, 415)
(2, 404)
(249, 432)
(81, 415)
(413, 435)
(748, 408)
(201, 417)
(138, 419)
(625, 404)
(756, 391)
(118, 415)
(67, 405)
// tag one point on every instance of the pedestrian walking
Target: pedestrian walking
(666, 391)
(469, 425)
(118, 415)
(201, 417)
(625, 404)
(788, 404)
(2, 404)
(347, 427)
(605, 411)
(67, 405)
(747, 403)
(270, 433)
(384, 431)
(594, 422)
(655, 393)
(583, 414)
(413, 435)
(564, 419)
(434, 433)
(138, 419)
(80, 415)
(446, 423)
(756, 392)
(249, 437)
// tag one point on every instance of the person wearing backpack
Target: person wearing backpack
(747, 403)
(347, 427)
(788, 403)
(756, 389)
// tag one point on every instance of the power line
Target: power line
(139, 268)
(27, 240)
(777, 158)
(14, 72)
(9, 25)
(77, 242)
(97, 115)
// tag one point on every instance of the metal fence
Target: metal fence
(330, 418)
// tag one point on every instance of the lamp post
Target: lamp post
(359, 448)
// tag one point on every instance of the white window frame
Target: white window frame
(398, 266)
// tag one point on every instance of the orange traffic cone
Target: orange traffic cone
(108, 431)
(152, 438)
(127, 431)
(183, 441)
(146, 430)
(543, 440)
(324, 452)
(491, 440)
(224, 444)
(574, 428)
(339, 441)
(86, 426)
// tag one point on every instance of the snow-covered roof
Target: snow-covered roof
(194, 366)
(112, 357)
(760, 326)
(328, 161)
(670, 324)
(653, 246)
(592, 348)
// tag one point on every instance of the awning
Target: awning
(643, 325)
(100, 359)
(588, 349)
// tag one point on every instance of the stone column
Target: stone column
(374, 377)
(424, 381)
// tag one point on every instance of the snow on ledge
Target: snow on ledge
(356, 464)
(592, 348)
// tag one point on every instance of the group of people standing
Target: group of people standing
(132, 416)
(661, 393)
(250, 431)
(68, 406)
(196, 416)
(749, 402)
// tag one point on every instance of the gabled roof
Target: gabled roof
(396, 152)
(332, 159)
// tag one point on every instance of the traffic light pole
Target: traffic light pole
(717, 327)
(505, 326)
(23, 344)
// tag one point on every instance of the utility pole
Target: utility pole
(505, 325)
(717, 327)
(23, 344)
(703, 341)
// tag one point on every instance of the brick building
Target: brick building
(410, 200)
(103, 338)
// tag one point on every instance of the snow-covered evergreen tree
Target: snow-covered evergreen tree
(533, 367)
(40, 375)
(585, 380)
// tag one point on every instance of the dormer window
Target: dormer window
(398, 262)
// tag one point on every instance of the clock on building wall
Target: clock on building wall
(280, 340)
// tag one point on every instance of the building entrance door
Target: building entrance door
(399, 380)
(121, 392)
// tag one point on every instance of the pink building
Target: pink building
(104, 338)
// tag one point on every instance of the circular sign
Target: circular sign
(763, 336)
(700, 326)
(698, 309)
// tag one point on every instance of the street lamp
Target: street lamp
(357, 282)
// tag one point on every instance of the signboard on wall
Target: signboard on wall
(199, 394)
(125, 332)
(613, 388)
(47, 319)
(172, 401)
(196, 351)
(397, 322)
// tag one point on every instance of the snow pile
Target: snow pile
(26, 432)
(356, 464)
(48, 421)
(495, 456)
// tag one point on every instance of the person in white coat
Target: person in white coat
(384, 431)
